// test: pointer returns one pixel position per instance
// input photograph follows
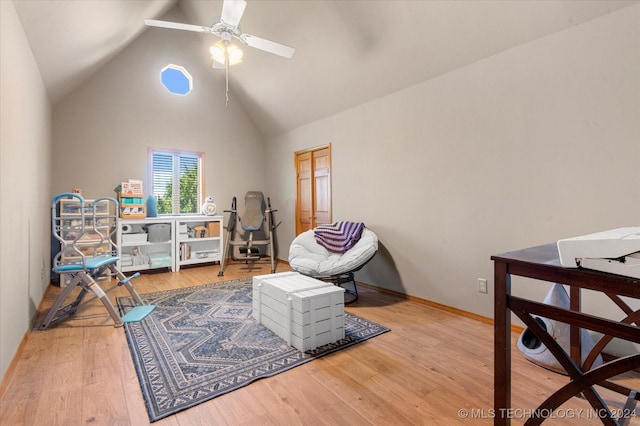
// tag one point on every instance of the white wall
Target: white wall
(534, 144)
(25, 138)
(102, 131)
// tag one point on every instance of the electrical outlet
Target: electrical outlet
(482, 285)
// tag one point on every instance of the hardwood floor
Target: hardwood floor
(431, 367)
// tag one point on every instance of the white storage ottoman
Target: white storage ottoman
(305, 312)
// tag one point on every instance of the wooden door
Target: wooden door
(313, 188)
(304, 192)
(321, 186)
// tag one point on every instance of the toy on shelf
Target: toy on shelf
(132, 202)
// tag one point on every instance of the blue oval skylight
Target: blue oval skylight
(176, 79)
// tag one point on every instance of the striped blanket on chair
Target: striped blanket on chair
(338, 237)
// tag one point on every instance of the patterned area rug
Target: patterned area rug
(202, 342)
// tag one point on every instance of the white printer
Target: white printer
(616, 251)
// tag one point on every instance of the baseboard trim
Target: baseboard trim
(437, 305)
(8, 375)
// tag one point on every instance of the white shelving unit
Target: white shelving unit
(169, 242)
(142, 248)
(199, 240)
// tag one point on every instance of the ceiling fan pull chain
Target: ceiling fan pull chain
(226, 70)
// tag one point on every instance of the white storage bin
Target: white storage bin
(305, 312)
(160, 260)
(134, 238)
(159, 232)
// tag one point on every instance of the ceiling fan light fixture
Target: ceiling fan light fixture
(235, 54)
(224, 50)
(217, 52)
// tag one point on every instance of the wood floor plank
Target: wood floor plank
(302, 392)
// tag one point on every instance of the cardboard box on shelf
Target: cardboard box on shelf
(132, 187)
(213, 229)
(133, 211)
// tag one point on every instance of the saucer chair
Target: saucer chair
(309, 258)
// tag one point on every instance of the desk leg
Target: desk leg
(502, 345)
(574, 331)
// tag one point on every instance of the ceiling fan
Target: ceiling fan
(227, 27)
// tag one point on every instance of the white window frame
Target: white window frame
(176, 173)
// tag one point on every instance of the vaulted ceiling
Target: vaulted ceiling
(348, 52)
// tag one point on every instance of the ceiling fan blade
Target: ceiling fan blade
(232, 11)
(177, 26)
(268, 46)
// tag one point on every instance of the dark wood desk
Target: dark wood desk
(543, 263)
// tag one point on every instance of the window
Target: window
(176, 79)
(176, 178)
